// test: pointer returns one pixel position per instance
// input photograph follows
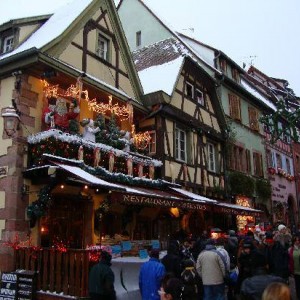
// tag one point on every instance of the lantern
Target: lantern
(11, 120)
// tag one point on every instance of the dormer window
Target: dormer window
(8, 43)
(235, 75)
(102, 47)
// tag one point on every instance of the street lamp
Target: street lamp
(11, 120)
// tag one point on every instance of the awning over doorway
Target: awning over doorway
(157, 198)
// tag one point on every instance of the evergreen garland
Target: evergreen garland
(241, 184)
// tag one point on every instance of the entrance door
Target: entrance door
(64, 224)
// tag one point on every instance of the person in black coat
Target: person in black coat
(253, 287)
(101, 279)
(172, 260)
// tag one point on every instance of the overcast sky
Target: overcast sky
(265, 33)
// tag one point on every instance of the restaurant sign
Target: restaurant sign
(234, 211)
(158, 201)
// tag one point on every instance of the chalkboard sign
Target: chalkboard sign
(8, 286)
(26, 285)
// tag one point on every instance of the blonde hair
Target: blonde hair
(277, 291)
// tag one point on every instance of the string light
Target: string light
(140, 140)
(123, 112)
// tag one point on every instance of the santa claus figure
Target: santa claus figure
(57, 114)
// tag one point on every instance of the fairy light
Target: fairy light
(123, 112)
(140, 140)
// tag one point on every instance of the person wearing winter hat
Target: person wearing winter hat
(101, 279)
(281, 228)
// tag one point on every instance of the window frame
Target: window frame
(253, 118)
(152, 144)
(235, 112)
(192, 89)
(199, 101)
(180, 152)
(106, 43)
(138, 38)
(211, 157)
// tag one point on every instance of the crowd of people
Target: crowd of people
(256, 265)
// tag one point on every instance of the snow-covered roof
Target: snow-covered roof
(235, 206)
(194, 196)
(161, 77)
(88, 177)
(197, 55)
(54, 27)
(256, 94)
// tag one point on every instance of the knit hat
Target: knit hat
(281, 226)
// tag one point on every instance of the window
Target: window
(234, 107)
(138, 38)
(257, 164)
(211, 157)
(103, 47)
(253, 119)
(199, 97)
(152, 144)
(297, 166)
(223, 65)
(235, 75)
(189, 90)
(278, 161)
(8, 43)
(288, 166)
(180, 144)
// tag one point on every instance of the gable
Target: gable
(151, 28)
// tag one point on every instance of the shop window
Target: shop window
(234, 107)
(138, 38)
(189, 90)
(152, 144)
(180, 144)
(253, 119)
(103, 47)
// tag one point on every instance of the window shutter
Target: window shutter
(248, 161)
(234, 107)
(253, 118)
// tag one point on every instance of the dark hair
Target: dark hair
(175, 288)
(295, 237)
(154, 253)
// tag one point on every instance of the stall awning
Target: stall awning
(194, 196)
(157, 198)
(233, 209)
(91, 179)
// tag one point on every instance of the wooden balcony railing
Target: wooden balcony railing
(59, 272)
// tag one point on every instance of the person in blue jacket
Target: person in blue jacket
(151, 274)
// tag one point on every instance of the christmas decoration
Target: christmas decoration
(89, 129)
(80, 153)
(97, 157)
(274, 121)
(38, 208)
